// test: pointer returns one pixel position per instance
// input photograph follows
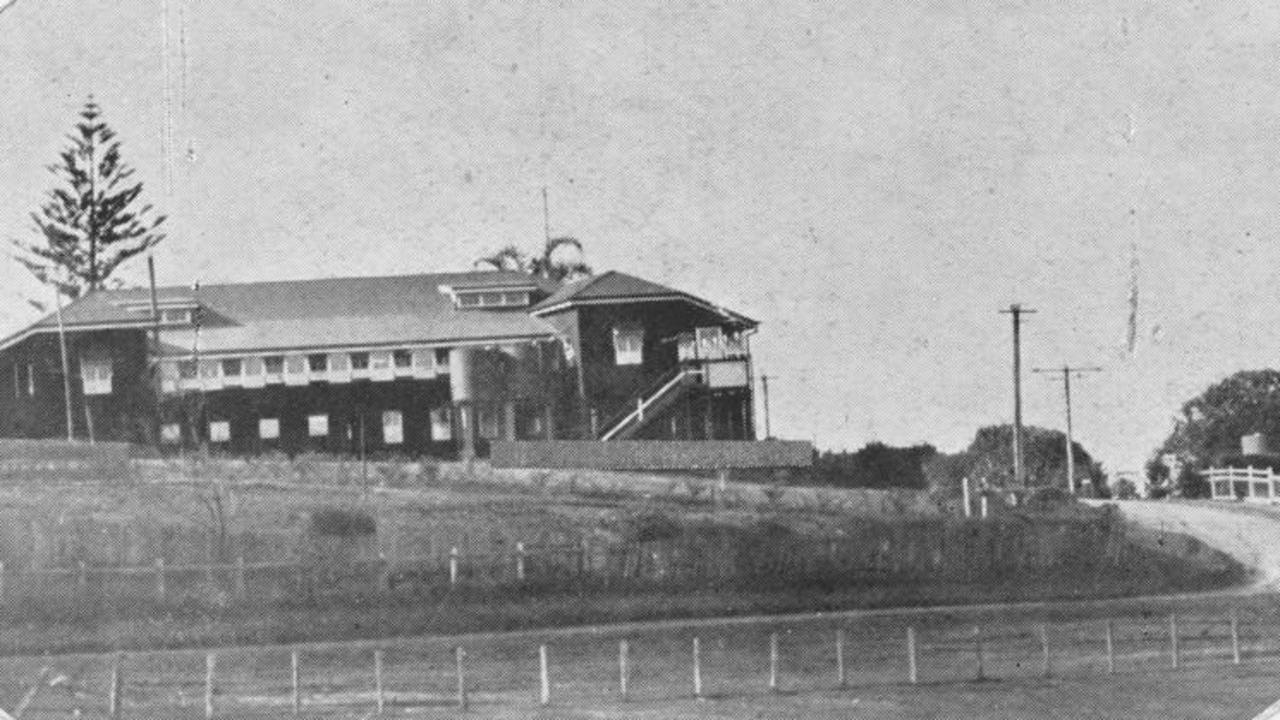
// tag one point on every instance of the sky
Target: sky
(871, 180)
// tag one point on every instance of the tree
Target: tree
(547, 265)
(90, 226)
(1211, 424)
(989, 459)
(876, 465)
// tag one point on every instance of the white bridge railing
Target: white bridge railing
(1248, 483)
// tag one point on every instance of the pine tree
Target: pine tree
(88, 227)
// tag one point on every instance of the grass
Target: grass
(502, 670)
(271, 518)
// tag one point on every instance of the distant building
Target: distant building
(432, 364)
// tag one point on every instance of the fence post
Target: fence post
(210, 670)
(377, 680)
(295, 679)
(160, 589)
(115, 694)
(697, 668)
(1046, 666)
(1173, 641)
(242, 586)
(912, 676)
(544, 676)
(1111, 647)
(453, 566)
(978, 653)
(1235, 637)
(520, 561)
(458, 655)
(773, 662)
(841, 679)
(624, 671)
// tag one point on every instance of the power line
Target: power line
(1067, 372)
(1016, 311)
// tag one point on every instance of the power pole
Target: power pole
(1016, 311)
(1067, 371)
(764, 383)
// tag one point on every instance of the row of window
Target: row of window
(94, 374)
(378, 362)
(219, 431)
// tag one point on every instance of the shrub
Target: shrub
(342, 522)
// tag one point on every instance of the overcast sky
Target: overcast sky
(872, 180)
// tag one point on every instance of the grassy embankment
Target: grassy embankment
(657, 548)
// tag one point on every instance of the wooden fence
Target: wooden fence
(395, 677)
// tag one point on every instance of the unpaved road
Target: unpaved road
(1249, 534)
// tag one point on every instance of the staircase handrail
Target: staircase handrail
(637, 402)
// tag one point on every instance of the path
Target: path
(1249, 534)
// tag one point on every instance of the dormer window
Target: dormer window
(492, 299)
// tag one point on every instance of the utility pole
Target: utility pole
(1067, 371)
(764, 383)
(1016, 311)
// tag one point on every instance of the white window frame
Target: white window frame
(95, 375)
(269, 428)
(171, 433)
(392, 427)
(318, 426)
(628, 345)
(219, 431)
(441, 423)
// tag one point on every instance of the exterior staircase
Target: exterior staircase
(649, 403)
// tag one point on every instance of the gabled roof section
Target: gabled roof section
(617, 287)
(329, 312)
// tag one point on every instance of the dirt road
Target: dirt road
(1248, 533)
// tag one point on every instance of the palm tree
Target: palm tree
(546, 265)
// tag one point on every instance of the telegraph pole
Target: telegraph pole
(764, 383)
(1067, 371)
(1016, 311)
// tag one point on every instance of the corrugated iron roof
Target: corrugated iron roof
(280, 315)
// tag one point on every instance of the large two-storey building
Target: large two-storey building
(433, 364)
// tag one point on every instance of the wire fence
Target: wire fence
(607, 667)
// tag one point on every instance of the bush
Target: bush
(342, 522)
(1125, 489)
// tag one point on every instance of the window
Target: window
(219, 431)
(273, 364)
(171, 433)
(442, 360)
(392, 427)
(269, 428)
(318, 425)
(31, 380)
(232, 367)
(380, 361)
(441, 424)
(318, 362)
(360, 361)
(492, 298)
(187, 369)
(628, 345)
(402, 359)
(96, 376)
